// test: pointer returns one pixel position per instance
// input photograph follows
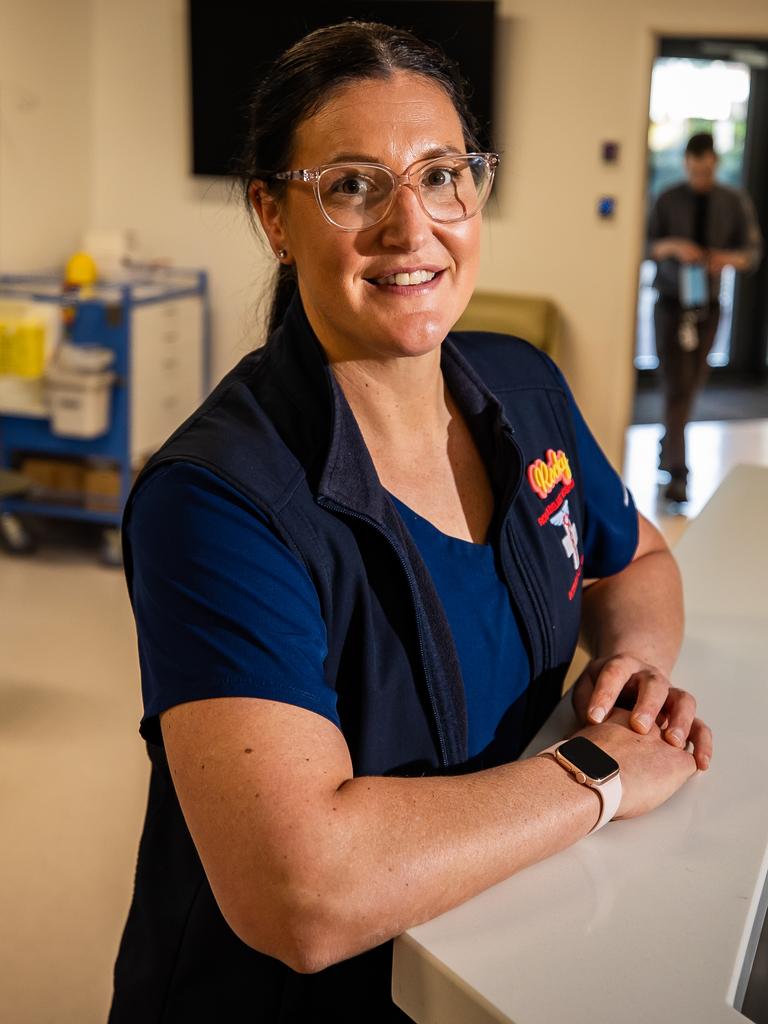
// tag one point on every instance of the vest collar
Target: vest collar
(325, 436)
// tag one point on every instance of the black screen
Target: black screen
(231, 45)
(593, 761)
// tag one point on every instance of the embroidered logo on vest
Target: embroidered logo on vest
(571, 539)
(545, 476)
(570, 544)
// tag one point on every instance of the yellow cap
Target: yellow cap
(80, 270)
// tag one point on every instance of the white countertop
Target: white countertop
(652, 919)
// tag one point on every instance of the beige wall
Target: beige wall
(141, 160)
(570, 75)
(45, 158)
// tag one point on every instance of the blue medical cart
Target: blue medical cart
(109, 316)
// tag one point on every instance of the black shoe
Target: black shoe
(676, 490)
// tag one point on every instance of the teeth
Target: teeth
(417, 277)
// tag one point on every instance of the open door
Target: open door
(719, 87)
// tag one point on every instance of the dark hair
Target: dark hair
(305, 77)
(700, 144)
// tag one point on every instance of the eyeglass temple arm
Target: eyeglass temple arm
(302, 175)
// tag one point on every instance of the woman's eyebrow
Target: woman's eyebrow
(367, 158)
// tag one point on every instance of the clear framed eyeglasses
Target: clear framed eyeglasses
(354, 196)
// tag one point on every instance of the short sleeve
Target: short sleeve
(611, 529)
(222, 606)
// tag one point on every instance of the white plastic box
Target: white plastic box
(79, 402)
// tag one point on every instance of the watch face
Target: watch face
(588, 758)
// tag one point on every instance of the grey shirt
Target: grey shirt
(731, 224)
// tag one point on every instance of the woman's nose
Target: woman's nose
(407, 224)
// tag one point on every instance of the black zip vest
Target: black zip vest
(279, 429)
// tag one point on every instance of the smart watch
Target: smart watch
(591, 766)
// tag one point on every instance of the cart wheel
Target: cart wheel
(111, 547)
(14, 536)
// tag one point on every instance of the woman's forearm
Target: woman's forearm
(404, 850)
(312, 864)
(637, 611)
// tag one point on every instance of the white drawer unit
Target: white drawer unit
(166, 370)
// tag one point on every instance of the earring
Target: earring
(282, 253)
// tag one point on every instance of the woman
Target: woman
(357, 575)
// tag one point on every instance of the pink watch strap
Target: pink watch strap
(609, 792)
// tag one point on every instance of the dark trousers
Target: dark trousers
(683, 374)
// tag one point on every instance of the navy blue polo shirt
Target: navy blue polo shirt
(224, 608)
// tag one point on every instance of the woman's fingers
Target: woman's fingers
(610, 679)
(653, 691)
(625, 681)
(581, 694)
(650, 686)
(701, 738)
(680, 710)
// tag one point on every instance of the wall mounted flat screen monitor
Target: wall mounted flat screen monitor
(231, 45)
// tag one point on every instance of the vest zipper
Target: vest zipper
(525, 576)
(535, 601)
(329, 503)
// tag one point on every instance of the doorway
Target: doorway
(719, 87)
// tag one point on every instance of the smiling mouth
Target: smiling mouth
(402, 284)
(417, 277)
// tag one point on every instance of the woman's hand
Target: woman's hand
(624, 681)
(651, 770)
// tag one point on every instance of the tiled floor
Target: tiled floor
(73, 771)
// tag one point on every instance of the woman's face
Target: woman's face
(394, 122)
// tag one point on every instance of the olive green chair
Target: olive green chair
(534, 319)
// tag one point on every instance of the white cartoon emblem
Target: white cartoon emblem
(571, 539)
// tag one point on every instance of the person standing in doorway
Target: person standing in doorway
(696, 228)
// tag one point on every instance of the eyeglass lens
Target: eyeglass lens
(452, 188)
